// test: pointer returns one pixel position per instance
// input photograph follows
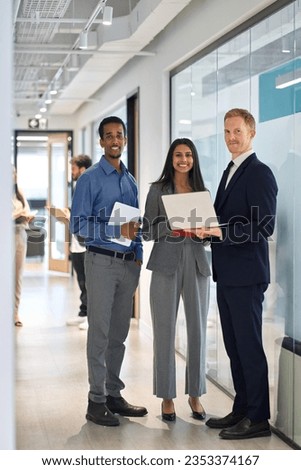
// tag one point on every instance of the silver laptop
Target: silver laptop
(190, 210)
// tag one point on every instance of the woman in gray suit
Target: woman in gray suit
(179, 267)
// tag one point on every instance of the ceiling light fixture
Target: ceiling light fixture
(73, 64)
(288, 79)
(55, 86)
(285, 45)
(48, 99)
(186, 122)
(107, 17)
(98, 8)
(88, 40)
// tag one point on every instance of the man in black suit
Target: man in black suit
(245, 205)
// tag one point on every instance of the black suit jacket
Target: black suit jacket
(247, 207)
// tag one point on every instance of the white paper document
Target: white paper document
(121, 214)
(190, 210)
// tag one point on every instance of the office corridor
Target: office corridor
(51, 383)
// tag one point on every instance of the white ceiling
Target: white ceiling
(46, 36)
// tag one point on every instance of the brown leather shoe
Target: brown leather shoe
(245, 429)
(220, 423)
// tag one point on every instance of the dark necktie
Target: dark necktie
(222, 185)
(226, 174)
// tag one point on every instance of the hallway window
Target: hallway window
(245, 72)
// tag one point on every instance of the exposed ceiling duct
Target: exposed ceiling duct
(49, 56)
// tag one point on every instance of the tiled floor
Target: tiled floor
(51, 384)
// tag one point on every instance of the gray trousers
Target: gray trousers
(111, 284)
(165, 292)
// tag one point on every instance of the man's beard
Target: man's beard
(115, 156)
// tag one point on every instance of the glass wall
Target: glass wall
(254, 70)
(31, 152)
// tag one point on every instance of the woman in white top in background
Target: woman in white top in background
(21, 216)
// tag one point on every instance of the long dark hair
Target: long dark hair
(19, 195)
(195, 176)
(16, 189)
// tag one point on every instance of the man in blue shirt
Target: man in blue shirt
(112, 271)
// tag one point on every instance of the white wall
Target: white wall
(7, 420)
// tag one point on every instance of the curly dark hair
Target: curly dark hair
(82, 161)
(108, 120)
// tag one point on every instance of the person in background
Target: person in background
(246, 206)
(21, 216)
(112, 272)
(179, 267)
(79, 164)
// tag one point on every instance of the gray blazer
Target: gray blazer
(167, 249)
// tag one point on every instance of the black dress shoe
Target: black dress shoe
(122, 407)
(245, 429)
(220, 423)
(98, 413)
(200, 415)
(168, 416)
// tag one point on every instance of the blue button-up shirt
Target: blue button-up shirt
(96, 192)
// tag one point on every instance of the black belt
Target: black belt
(127, 256)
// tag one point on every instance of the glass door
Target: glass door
(57, 202)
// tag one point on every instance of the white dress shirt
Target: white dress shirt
(237, 162)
